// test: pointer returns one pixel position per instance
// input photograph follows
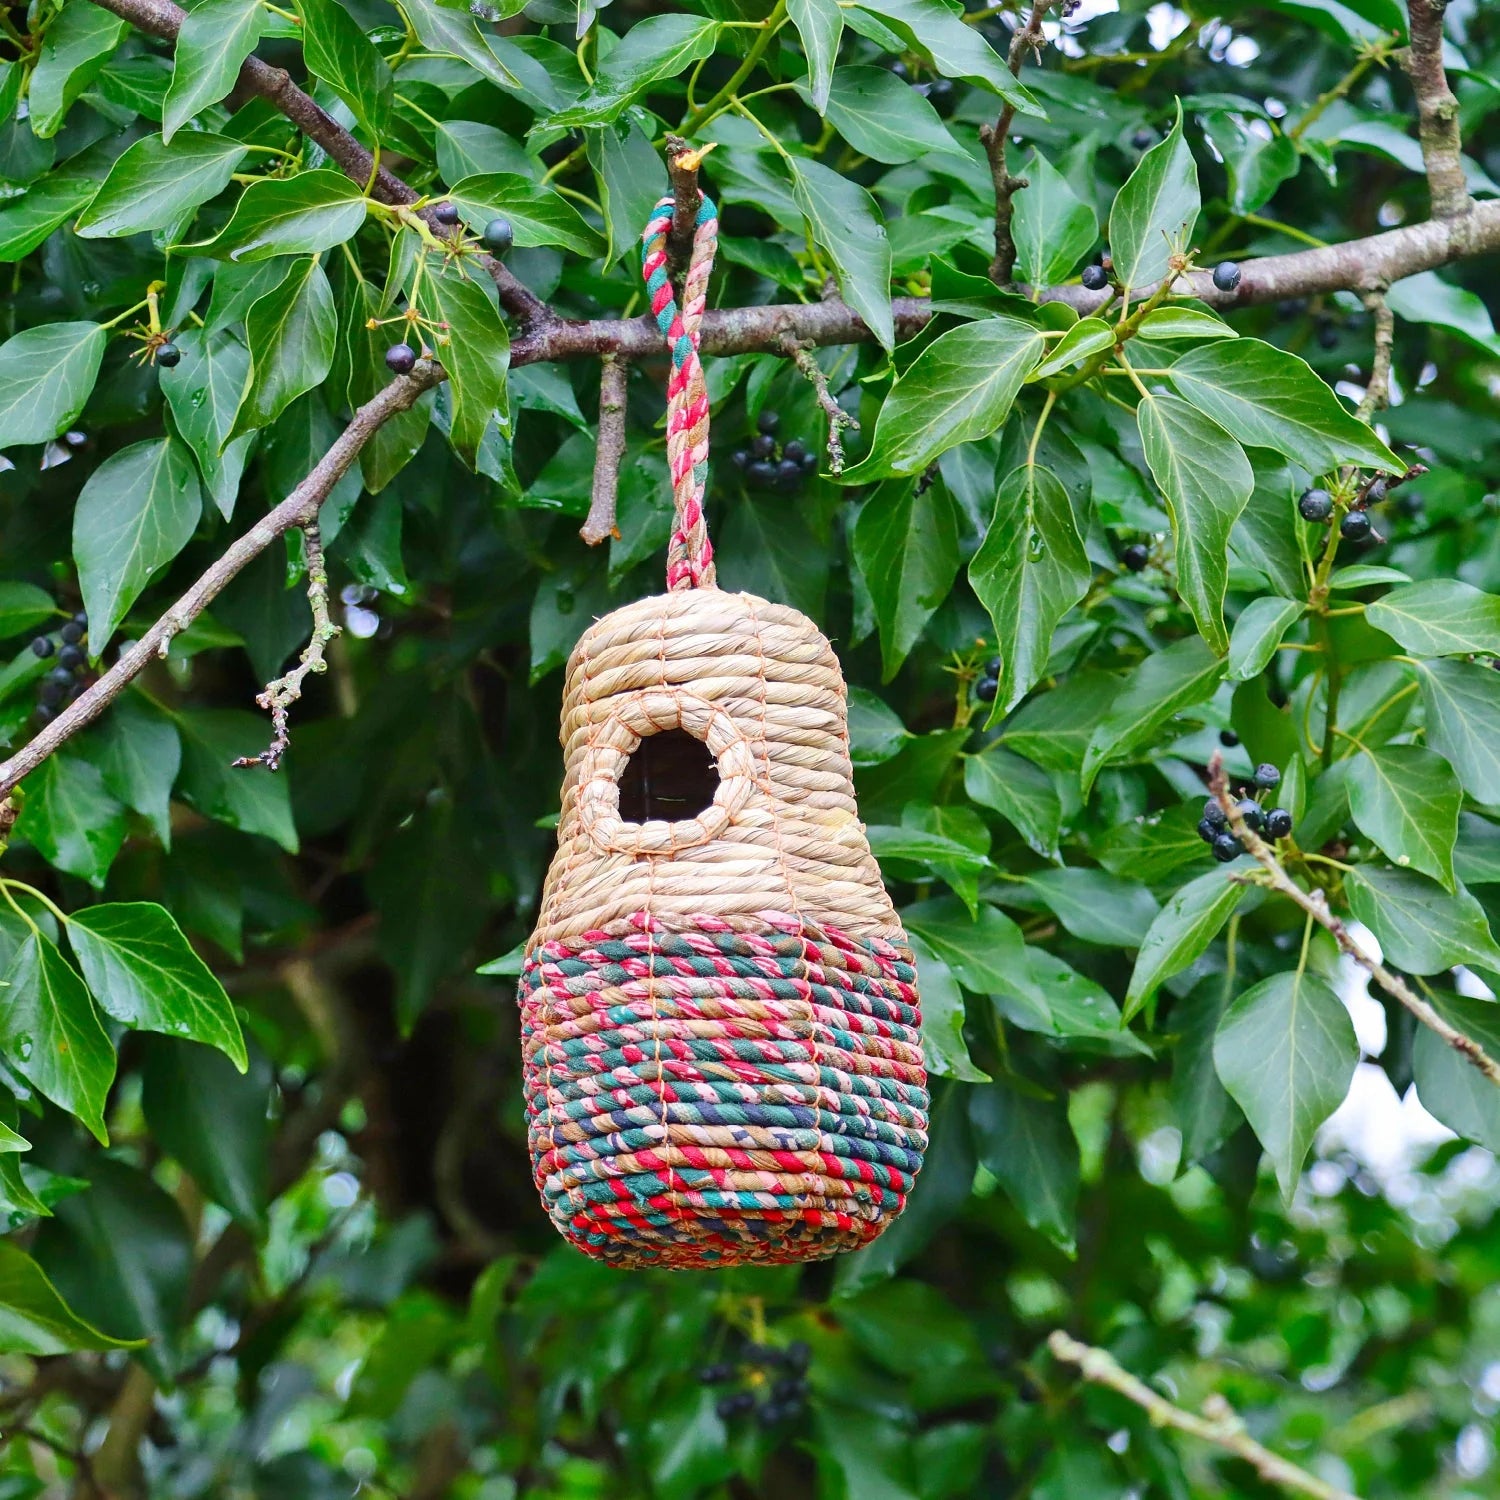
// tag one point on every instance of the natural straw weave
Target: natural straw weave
(719, 1013)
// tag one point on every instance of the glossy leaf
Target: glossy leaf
(1087, 336)
(476, 358)
(1448, 1084)
(1421, 927)
(1437, 617)
(820, 24)
(212, 739)
(1286, 1052)
(1206, 481)
(537, 215)
(51, 1034)
(136, 513)
(1022, 793)
(71, 819)
(1407, 799)
(338, 51)
(215, 39)
(78, 43)
(845, 223)
(138, 760)
(153, 184)
(1257, 634)
(1096, 907)
(961, 387)
(204, 392)
(1029, 1147)
(34, 1319)
(979, 950)
(300, 215)
(1184, 927)
(954, 49)
(46, 374)
(454, 32)
(1461, 701)
(1154, 212)
(291, 332)
(1052, 227)
(882, 116)
(943, 1045)
(661, 46)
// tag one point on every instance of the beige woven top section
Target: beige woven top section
(759, 683)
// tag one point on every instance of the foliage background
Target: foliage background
(337, 1255)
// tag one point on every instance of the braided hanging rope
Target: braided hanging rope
(690, 556)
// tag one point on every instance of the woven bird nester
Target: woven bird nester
(723, 1060)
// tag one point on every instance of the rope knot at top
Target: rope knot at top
(690, 556)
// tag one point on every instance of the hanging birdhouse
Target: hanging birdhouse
(723, 1059)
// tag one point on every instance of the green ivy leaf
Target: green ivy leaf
(398, 439)
(820, 24)
(1205, 1113)
(153, 185)
(1087, 336)
(291, 332)
(23, 606)
(144, 973)
(1438, 617)
(138, 758)
(51, 1034)
(1257, 634)
(1029, 571)
(71, 821)
(1185, 673)
(216, 38)
(137, 511)
(78, 43)
(883, 117)
(46, 374)
(955, 49)
(845, 223)
(959, 388)
(1177, 322)
(1053, 729)
(1286, 1052)
(1421, 927)
(1022, 793)
(1029, 1147)
(1206, 481)
(1407, 799)
(1155, 211)
(338, 51)
(538, 215)
(1462, 705)
(979, 950)
(1450, 1087)
(476, 358)
(1097, 907)
(212, 739)
(300, 215)
(454, 32)
(662, 46)
(34, 1319)
(215, 1121)
(1255, 164)
(28, 218)
(1268, 398)
(943, 1045)
(1052, 227)
(1183, 928)
(905, 543)
(203, 391)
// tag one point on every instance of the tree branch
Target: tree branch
(1220, 1424)
(1437, 111)
(1315, 904)
(279, 695)
(608, 452)
(1026, 37)
(838, 418)
(1378, 390)
(683, 160)
(300, 508)
(162, 18)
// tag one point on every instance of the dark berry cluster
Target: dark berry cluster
(989, 684)
(769, 465)
(1318, 506)
(1273, 823)
(771, 1382)
(65, 681)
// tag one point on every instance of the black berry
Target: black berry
(1315, 505)
(789, 1388)
(798, 1355)
(768, 421)
(788, 474)
(81, 620)
(1226, 848)
(762, 1354)
(734, 1405)
(900, 69)
(1095, 278)
(70, 657)
(796, 450)
(763, 446)
(498, 236)
(72, 632)
(716, 1374)
(51, 693)
(772, 1414)
(1228, 738)
(1328, 335)
(1291, 307)
(400, 359)
(1136, 556)
(992, 667)
(986, 688)
(760, 474)
(1355, 526)
(1375, 491)
(62, 675)
(1226, 275)
(1207, 831)
(941, 96)
(1278, 822)
(1213, 813)
(446, 213)
(1143, 139)
(1252, 815)
(741, 457)
(42, 646)
(809, 462)
(1267, 776)
(168, 355)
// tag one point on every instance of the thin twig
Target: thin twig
(1377, 394)
(683, 160)
(163, 18)
(1026, 37)
(608, 452)
(1220, 1424)
(1437, 111)
(279, 695)
(838, 419)
(1315, 904)
(298, 509)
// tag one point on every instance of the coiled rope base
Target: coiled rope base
(722, 1093)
